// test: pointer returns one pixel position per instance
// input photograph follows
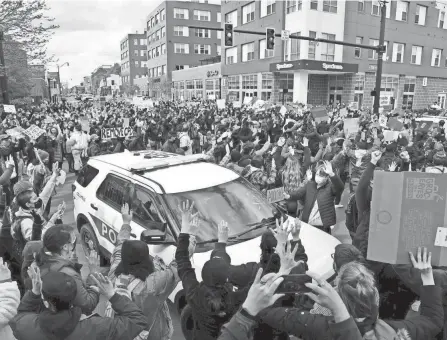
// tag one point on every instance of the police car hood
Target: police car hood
(319, 247)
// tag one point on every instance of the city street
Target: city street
(65, 194)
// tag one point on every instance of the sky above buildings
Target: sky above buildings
(90, 32)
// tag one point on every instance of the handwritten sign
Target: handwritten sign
(220, 104)
(389, 136)
(350, 125)
(275, 195)
(17, 132)
(34, 132)
(9, 108)
(237, 105)
(407, 210)
(116, 133)
(125, 122)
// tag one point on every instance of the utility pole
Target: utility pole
(380, 57)
(59, 78)
(3, 77)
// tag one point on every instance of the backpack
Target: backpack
(352, 218)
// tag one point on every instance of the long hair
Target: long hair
(357, 289)
(291, 176)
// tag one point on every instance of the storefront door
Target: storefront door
(334, 99)
(442, 100)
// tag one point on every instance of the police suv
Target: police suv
(161, 181)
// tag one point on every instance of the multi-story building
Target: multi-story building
(53, 86)
(414, 72)
(39, 89)
(97, 75)
(87, 84)
(172, 45)
(133, 58)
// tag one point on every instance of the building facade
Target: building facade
(415, 66)
(39, 89)
(97, 75)
(133, 58)
(201, 82)
(172, 45)
(87, 83)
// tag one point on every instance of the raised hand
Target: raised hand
(34, 274)
(9, 163)
(375, 156)
(287, 256)
(5, 273)
(309, 174)
(328, 168)
(189, 220)
(103, 285)
(392, 167)
(423, 263)
(126, 213)
(281, 234)
(93, 262)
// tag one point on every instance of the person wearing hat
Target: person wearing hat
(170, 145)
(94, 148)
(27, 210)
(185, 141)
(78, 142)
(47, 311)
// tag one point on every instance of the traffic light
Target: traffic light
(270, 37)
(228, 35)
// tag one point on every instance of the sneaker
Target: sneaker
(338, 206)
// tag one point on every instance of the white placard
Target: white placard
(220, 104)
(116, 132)
(9, 108)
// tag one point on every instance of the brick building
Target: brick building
(133, 58)
(97, 75)
(172, 45)
(415, 66)
(39, 86)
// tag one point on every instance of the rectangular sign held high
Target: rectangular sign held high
(108, 133)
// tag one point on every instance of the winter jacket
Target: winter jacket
(345, 330)
(9, 301)
(35, 322)
(150, 295)
(169, 147)
(324, 196)
(86, 298)
(310, 326)
(207, 323)
(240, 327)
(258, 177)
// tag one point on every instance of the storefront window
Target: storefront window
(209, 85)
(233, 82)
(199, 84)
(267, 81)
(389, 84)
(217, 84)
(408, 95)
(189, 85)
(250, 82)
(359, 82)
(286, 81)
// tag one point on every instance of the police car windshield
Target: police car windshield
(235, 202)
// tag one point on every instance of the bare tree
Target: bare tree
(27, 23)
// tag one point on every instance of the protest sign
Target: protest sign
(382, 121)
(17, 132)
(237, 104)
(85, 125)
(116, 132)
(351, 125)
(424, 125)
(125, 122)
(389, 136)
(408, 211)
(283, 110)
(34, 132)
(9, 108)
(343, 112)
(247, 100)
(220, 104)
(275, 195)
(395, 124)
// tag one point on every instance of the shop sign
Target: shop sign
(280, 67)
(332, 67)
(212, 73)
(156, 80)
(314, 65)
(372, 67)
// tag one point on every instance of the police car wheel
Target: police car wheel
(187, 322)
(87, 234)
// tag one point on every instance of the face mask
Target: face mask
(38, 204)
(319, 179)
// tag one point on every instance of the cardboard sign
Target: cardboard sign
(34, 132)
(9, 108)
(283, 111)
(17, 132)
(275, 195)
(220, 104)
(389, 136)
(116, 132)
(237, 105)
(395, 124)
(408, 211)
(125, 122)
(247, 100)
(424, 125)
(350, 125)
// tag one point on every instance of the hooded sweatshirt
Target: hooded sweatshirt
(9, 301)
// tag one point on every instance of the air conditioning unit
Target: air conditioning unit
(424, 81)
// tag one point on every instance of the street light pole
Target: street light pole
(3, 77)
(380, 57)
(59, 77)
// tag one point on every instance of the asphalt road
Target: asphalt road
(65, 194)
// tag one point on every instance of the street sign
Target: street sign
(285, 35)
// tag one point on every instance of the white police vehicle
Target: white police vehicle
(162, 181)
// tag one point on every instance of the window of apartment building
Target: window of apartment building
(159, 70)
(416, 55)
(292, 6)
(163, 49)
(408, 94)
(135, 42)
(330, 6)
(436, 57)
(248, 52)
(181, 31)
(209, 85)
(157, 51)
(263, 51)
(148, 24)
(267, 7)
(162, 15)
(181, 13)
(152, 22)
(312, 45)
(163, 69)
(249, 81)
(202, 49)
(441, 20)
(219, 17)
(219, 50)
(398, 53)
(373, 54)
(358, 50)
(181, 48)
(401, 10)
(135, 53)
(202, 15)
(142, 53)
(314, 4)
(327, 49)
(234, 82)
(375, 9)
(157, 35)
(199, 84)
(157, 18)
(202, 33)
(421, 14)
(137, 63)
(219, 34)
(267, 86)
(190, 85)
(142, 41)
(359, 82)
(292, 48)
(361, 5)
(231, 18)
(248, 13)
(163, 32)
(231, 55)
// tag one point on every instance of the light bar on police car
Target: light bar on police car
(167, 162)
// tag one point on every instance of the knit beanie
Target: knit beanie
(22, 186)
(215, 271)
(135, 260)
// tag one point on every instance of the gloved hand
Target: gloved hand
(37, 217)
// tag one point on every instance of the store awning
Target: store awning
(314, 67)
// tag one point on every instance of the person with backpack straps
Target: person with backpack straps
(144, 279)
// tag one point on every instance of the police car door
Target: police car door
(108, 219)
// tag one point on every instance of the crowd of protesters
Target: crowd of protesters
(44, 296)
